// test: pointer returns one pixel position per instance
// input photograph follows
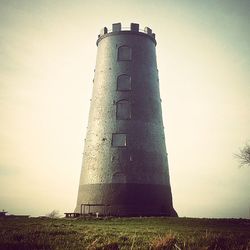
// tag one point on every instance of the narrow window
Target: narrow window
(123, 110)
(123, 83)
(119, 140)
(124, 53)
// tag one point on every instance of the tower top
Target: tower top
(133, 29)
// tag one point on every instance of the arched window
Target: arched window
(123, 82)
(124, 53)
(123, 110)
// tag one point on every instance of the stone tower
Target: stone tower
(125, 165)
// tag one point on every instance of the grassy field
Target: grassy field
(124, 233)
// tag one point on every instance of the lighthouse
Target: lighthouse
(125, 164)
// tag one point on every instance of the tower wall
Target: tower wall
(125, 165)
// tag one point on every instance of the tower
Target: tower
(125, 166)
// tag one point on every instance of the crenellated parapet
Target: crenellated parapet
(117, 29)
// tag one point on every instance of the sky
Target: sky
(47, 60)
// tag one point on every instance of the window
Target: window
(123, 83)
(119, 140)
(124, 53)
(123, 110)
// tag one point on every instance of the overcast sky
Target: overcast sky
(47, 61)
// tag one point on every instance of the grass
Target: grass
(124, 233)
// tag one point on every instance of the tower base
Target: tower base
(118, 199)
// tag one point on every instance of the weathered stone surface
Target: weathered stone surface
(125, 161)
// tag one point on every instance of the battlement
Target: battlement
(117, 28)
